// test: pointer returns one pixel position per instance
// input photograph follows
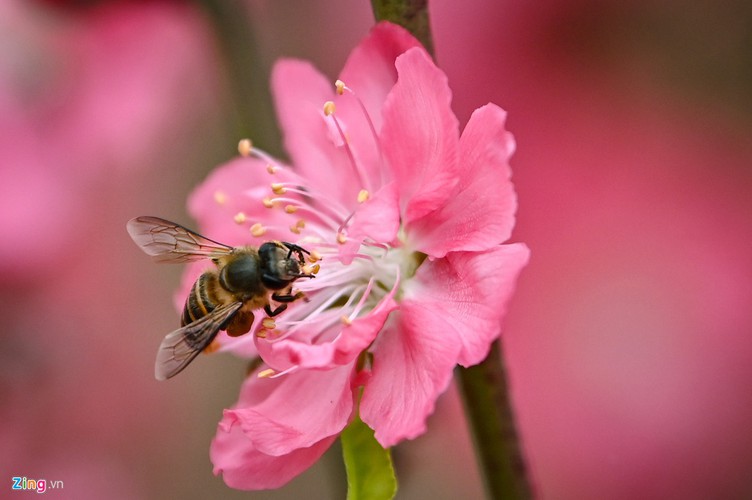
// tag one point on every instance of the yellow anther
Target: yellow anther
(261, 334)
(278, 188)
(239, 217)
(340, 86)
(315, 256)
(244, 147)
(345, 320)
(269, 324)
(315, 269)
(268, 202)
(341, 238)
(266, 373)
(258, 229)
(271, 169)
(329, 108)
(306, 269)
(291, 209)
(220, 197)
(363, 195)
(299, 225)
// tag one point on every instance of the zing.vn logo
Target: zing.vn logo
(38, 485)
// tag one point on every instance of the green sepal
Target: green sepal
(370, 474)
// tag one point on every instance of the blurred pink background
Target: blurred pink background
(629, 341)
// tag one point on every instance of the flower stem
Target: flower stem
(489, 411)
(410, 14)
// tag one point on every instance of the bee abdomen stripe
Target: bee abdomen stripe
(199, 293)
(198, 304)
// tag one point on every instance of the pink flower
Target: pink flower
(408, 218)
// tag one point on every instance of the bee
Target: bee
(245, 279)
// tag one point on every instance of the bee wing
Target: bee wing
(167, 241)
(180, 347)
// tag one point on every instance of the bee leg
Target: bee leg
(240, 324)
(287, 298)
(284, 299)
(271, 313)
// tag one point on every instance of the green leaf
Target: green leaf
(370, 475)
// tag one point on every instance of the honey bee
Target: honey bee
(246, 278)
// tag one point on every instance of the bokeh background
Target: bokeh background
(628, 343)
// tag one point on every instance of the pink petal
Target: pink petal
(378, 218)
(413, 362)
(244, 467)
(237, 186)
(471, 289)
(370, 74)
(370, 70)
(480, 214)
(314, 145)
(451, 311)
(297, 410)
(420, 135)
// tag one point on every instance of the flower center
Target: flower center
(352, 277)
(356, 274)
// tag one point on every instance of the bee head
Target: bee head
(281, 264)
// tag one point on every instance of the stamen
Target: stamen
(268, 323)
(254, 151)
(319, 214)
(344, 224)
(268, 202)
(220, 197)
(266, 373)
(258, 229)
(245, 146)
(329, 111)
(314, 256)
(272, 169)
(310, 196)
(363, 195)
(317, 314)
(278, 188)
(285, 372)
(329, 108)
(362, 300)
(313, 269)
(345, 320)
(239, 218)
(291, 209)
(371, 126)
(341, 238)
(340, 86)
